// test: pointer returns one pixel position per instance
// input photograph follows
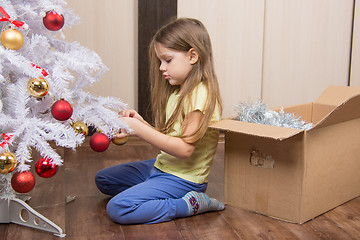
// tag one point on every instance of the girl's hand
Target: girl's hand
(131, 113)
(174, 146)
(133, 123)
(125, 115)
(121, 135)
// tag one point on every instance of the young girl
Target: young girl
(185, 100)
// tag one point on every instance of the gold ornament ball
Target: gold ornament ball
(120, 141)
(38, 87)
(80, 127)
(7, 162)
(12, 39)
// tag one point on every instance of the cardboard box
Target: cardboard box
(296, 175)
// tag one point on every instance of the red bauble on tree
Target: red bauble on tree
(53, 21)
(23, 182)
(61, 110)
(99, 142)
(45, 167)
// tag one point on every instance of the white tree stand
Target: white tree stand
(17, 211)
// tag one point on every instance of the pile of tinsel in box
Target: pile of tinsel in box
(258, 112)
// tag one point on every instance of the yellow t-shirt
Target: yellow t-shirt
(197, 167)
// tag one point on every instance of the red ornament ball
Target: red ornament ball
(45, 167)
(53, 21)
(99, 142)
(61, 110)
(23, 182)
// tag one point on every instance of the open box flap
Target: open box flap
(266, 131)
(337, 95)
(348, 110)
(343, 99)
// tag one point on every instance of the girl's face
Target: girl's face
(175, 65)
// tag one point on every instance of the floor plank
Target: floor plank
(3, 230)
(346, 217)
(86, 218)
(209, 226)
(167, 230)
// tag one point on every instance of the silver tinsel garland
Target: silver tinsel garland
(258, 112)
(6, 191)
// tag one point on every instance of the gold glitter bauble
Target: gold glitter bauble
(12, 39)
(38, 87)
(80, 127)
(7, 162)
(120, 141)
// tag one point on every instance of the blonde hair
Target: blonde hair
(181, 35)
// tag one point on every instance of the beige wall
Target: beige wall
(109, 27)
(355, 69)
(284, 52)
(306, 48)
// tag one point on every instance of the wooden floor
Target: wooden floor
(86, 218)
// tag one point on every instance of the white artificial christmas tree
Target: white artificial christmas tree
(39, 73)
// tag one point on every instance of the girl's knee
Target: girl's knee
(119, 211)
(99, 178)
(101, 182)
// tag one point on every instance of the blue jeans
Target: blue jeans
(144, 194)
